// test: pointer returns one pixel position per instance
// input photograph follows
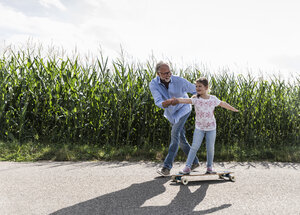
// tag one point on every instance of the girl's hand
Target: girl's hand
(234, 109)
(175, 101)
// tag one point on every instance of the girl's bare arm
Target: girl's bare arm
(175, 101)
(181, 100)
(228, 106)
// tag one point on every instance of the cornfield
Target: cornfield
(55, 100)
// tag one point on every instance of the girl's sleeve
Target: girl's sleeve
(193, 101)
(217, 101)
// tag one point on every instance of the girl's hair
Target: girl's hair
(203, 81)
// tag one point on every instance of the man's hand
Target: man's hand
(167, 103)
(173, 101)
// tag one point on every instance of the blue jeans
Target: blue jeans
(210, 138)
(178, 138)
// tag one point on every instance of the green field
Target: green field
(63, 109)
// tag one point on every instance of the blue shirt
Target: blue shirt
(178, 88)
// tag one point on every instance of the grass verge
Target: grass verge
(13, 151)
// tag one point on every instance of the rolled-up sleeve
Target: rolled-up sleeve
(158, 100)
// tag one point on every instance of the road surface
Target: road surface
(135, 188)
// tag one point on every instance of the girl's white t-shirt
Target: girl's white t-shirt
(204, 108)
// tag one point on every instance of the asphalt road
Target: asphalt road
(135, 188)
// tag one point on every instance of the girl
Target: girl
(205, 122)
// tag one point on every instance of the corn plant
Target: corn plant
(55, 100)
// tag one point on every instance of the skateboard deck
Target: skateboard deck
(184, 179)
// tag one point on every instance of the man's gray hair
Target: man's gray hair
(160, 64)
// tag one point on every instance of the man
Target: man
(166, 86)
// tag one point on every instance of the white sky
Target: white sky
(262, 34)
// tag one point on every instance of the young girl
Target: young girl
(205, 122)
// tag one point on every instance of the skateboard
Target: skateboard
(184, 179)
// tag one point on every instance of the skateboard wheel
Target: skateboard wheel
(232, 178)
(184, 181)
(173, 178)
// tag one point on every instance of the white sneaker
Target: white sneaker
(210, 171)
(185, 171)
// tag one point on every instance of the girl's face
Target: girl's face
(201, 89)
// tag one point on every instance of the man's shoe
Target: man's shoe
(164, 171)
(194, 166)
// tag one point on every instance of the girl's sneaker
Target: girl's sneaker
(210, 171)
(186, 170)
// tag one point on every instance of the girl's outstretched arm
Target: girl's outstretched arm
(228, 106)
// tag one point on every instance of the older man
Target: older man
(166, 86)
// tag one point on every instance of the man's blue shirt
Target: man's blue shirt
(178, 88)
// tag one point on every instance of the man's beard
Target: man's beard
(167, 80)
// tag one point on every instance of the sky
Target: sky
(238, 34)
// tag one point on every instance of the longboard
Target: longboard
(184, 179)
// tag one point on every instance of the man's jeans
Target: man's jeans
(210, 138)
(178, 138)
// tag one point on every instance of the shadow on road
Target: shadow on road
(130, 200)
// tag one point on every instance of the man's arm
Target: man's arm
(228, 106)
(189, 87)
(158, 100)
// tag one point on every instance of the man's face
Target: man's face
(164, 73)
